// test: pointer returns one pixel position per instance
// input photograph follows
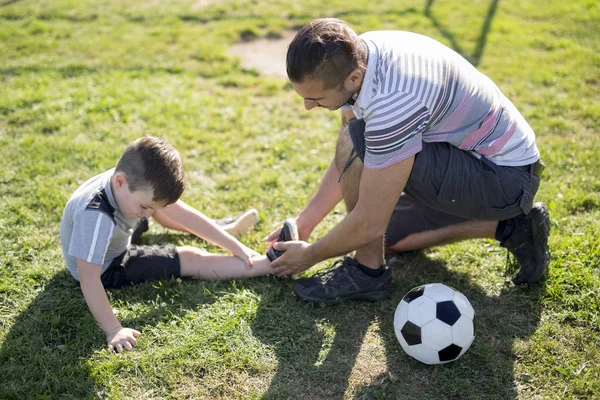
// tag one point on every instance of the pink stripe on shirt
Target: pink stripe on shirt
(457, 118)
(486, 126)
(499, 143)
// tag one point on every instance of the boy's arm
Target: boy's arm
(117, 337)
(193, 221)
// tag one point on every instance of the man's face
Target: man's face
(315, 95)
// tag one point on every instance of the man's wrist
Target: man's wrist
(305, 225)
(312, 253)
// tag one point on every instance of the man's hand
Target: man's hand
(245, 254)
(296, 258)
(122, 338)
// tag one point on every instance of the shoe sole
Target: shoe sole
(541, 232)
(292, 229)
(290, 232)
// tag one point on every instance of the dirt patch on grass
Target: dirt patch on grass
(267, 56)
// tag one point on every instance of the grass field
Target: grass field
(81, 79)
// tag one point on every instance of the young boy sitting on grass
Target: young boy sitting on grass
(99, 219)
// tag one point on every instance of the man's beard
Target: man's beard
(348, 95)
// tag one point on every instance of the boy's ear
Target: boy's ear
(120, 179)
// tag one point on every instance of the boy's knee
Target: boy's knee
(188, 253)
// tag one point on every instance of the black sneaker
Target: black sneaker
(528, 242)
(141, 227)
(289, 231)
(345, 280)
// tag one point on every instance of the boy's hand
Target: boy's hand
(122, 338)
(245, 254)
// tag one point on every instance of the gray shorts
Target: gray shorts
(142, 263)
(448, 185)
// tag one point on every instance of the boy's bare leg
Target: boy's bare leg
(473, 229)
(208, 266)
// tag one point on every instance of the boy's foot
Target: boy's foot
(289, 231)
(141, 227)
(237, 226)
(528, 242)
(345, 280)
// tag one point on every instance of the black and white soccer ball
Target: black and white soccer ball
(434, 323)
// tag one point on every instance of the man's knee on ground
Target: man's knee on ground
(403, 242)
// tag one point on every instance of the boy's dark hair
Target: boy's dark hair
(327, 50)
(153, 163)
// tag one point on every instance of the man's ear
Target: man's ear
(354, 79)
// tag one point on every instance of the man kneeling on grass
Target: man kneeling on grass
(431, 152)
(99, 220)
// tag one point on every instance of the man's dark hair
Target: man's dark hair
(327, 50)
(153, 163)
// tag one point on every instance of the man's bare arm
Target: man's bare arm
(347, 116)
(378, 193)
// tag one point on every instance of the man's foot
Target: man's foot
(141, 227)
(345, 280)
(528, 242)
(237, 226)
(289, 231)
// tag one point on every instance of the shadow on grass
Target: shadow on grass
(474, 58)
(312, 365)
(8, 2)
(47, 351)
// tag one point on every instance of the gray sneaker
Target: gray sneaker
(344, 280)
(237, 226)
(289, 231)
(528, 242)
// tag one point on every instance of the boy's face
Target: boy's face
(135, 204)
